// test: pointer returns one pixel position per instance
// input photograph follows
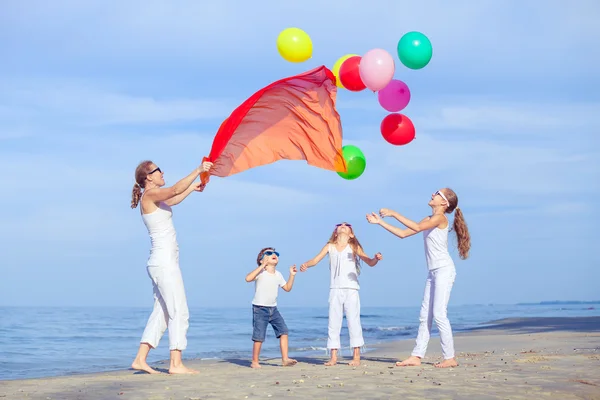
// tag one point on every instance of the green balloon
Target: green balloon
(414, 50)
(355, 161)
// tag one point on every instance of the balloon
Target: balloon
(350, 74)
(397, 129)
(395, 96)
(336, 69)
(355, 161)
(414, 50)
(294, 45)
(377, 69)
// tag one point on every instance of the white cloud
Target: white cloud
(85, 105)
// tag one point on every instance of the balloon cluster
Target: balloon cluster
(375, 71)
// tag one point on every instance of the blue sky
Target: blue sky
(506, 115)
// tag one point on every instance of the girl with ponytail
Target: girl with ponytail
(441, 268)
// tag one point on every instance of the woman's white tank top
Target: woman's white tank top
(436, 248)
(162, 233)
(342, 268)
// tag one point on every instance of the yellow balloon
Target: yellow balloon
(294, 45)
(336, 69)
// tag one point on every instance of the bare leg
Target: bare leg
(412, 361)
(283, 344)
(333, 359)
(255, 353)
(177, 366)
(356, 358)
(448, 363)
(140, 364)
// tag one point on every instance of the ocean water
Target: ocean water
(47, 341)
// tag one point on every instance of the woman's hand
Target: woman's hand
(378, 257)
(199, 187)
(205, 166)
(373, 218)
(303, 267)
(385, 212)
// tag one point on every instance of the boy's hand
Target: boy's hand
(303, 267)
(378, 257)
(293, 270)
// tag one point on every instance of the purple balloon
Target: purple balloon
(395, 96)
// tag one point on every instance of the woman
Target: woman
(170, 304)
(441, 268)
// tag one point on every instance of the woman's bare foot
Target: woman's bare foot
(255, 364)
(289, 362)
(355, 362)
(449, 363)
(331, 362)
(182, 369)
(143, 366)
(412, 361)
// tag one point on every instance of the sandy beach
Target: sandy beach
(529, 358)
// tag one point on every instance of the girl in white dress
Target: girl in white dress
(345, 254)
(170, 304)
(441, 270)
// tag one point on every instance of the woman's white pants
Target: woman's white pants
(344, 301)
(170, 307)
(434, 308)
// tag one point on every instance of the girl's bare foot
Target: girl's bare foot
(449, 363)
(289, 362)
(182, 369)
(331, 362)
(355, 362)
(255, 364)
(143, 366)
(412, 361)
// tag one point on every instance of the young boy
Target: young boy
(264, 304)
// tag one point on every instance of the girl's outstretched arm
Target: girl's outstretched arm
(196, 187)
(427, 223)
(401, 233)
(371, 262)
(315, 260)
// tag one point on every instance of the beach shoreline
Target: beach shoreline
(511, 358)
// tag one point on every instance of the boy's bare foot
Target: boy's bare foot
(182, 369)
(449, 363)
(289, 362)
(255, 365)
(331, 362)
(412, 361)
(355, 362)
(143, 366)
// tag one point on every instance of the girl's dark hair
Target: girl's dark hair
(140, 182)
(460, 225)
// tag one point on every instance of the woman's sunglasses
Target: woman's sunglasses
(154, 170)
(344, 224)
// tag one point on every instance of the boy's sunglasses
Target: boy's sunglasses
(270, 253)
(154, 170)
(344, 224)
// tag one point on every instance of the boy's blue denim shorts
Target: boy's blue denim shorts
(262, 316)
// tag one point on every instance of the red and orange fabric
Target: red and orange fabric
(294, 119)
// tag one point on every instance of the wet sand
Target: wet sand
(521, 358)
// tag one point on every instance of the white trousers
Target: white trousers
(434, 308)
(170, 307)
(344, 301)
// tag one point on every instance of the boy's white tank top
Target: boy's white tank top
(342, 268)
(162, 233)
(436, 248)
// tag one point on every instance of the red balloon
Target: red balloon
(350, 75)
(397, 129)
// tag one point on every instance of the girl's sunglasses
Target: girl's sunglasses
(270, 253)
(154, 170)
(344, 224)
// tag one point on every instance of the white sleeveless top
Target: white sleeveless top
(162, 233)
(342, 268)
(436, 248)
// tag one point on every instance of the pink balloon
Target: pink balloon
(395, 96)
(376, 69)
